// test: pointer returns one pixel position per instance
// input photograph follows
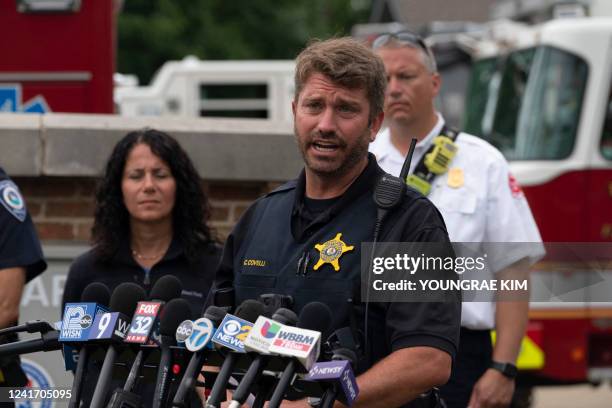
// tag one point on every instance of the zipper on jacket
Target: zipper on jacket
(147, 277)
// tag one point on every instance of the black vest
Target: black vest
(268, 259)
(267, 262)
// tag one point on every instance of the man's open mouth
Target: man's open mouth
(325, 146)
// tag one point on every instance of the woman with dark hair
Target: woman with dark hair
(150, 221)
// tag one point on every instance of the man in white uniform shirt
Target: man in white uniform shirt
(480, 202)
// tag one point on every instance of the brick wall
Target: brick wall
(62, 207)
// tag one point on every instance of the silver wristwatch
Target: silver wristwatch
(313, 402)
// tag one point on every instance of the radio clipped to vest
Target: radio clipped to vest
(434, 162)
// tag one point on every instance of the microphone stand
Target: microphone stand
(47, 342)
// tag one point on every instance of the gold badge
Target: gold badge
(331, 251)
(455, 177)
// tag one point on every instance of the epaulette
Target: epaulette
(290, 185)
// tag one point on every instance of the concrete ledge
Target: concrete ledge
(79, 145)
(20, 144)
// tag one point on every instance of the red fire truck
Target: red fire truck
(546, 103)
(58, 55)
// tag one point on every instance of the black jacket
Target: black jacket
(196, 278)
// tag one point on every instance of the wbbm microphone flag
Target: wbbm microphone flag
(300, 343)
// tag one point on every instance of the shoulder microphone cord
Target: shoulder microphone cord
(388, 194)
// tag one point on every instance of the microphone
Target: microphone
(259, 340)
(173, 314)
(224, 298)
(183, 331)
(47, 342)
(123, 300)
(78, 318)
(143, 326)
(314, 316)
(96, 295)
(230, 334)
(99, 293)
(96, 292)
(33, 326)
(339, 372)
(202, 331)
(274, 301)
(75, 325)
(166, 288)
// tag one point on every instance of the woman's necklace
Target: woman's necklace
(147, 258)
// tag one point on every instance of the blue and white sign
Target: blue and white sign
(11, 199)
(109, 326)
(77, 321)
(183, 331)
(10, 98)
(10, 101)
(201, 333)
(232, 332)
(38, 104)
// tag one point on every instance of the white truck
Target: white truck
(229, 89)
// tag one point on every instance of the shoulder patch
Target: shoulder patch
(515, 188)
(11, 200)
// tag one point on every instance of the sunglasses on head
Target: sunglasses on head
(403, 37)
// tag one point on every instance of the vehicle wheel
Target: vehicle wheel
(522, 398)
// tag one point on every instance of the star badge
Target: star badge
(331, 251)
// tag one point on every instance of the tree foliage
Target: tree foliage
(152, 32)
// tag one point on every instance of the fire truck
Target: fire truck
(543, 96)
(59, 56)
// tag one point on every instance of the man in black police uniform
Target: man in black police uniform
(276, 246)
(21, 259)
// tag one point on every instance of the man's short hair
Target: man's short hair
(346, 62)
(408, 39)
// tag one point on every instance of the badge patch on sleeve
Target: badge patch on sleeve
(331, 251)
(11, 200)
(516, 189)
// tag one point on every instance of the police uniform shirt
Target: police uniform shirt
(272, 249)
(19, 244)
(480, 202)
(19, 247)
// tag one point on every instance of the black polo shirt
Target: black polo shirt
(264, 248)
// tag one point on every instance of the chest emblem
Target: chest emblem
(331, 251)
(455, 177)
